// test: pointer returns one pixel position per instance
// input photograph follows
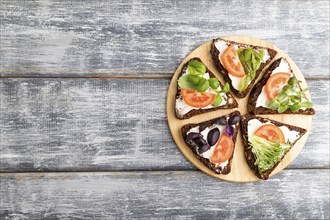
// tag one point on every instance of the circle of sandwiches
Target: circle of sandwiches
(266, 141)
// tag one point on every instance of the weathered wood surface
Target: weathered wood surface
(293, 194)
(120, 125)
(84, 38)
(110, 124)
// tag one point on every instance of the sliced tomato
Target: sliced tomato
(185, 92)
(270, 132)
(275, 83)
(231, 62)
(223, 150)
(197, 99)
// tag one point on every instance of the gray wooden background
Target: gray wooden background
(83, 129)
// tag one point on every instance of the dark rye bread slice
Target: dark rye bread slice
(257, 89)
(249, 156)
(232, 103)
(226, 169)
(215, 56)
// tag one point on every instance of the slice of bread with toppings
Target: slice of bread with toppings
(235, 62)
(276, 93)
(213, 141)
(199, 91)
(266, 142)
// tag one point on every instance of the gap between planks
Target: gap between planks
(156, 76)
(135, 171)
(93, 77)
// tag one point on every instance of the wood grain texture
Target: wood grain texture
(83, 38)
(103, 124)
(293, 194)
(120, 125)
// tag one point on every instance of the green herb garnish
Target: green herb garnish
(214, 83)
(184, 82)
(218, 98)
(251, 61)
(267, 153)
(290, 97)
(225, 88)
(194, 80)
(203, 85)
(196, 68)
(191, 82)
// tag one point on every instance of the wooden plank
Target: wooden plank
(109, 124)
(80, 38)
(293, 194)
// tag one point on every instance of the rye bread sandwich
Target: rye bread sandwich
(239, 63)
(199, 91)
(213, 141)
(266, 142)
(279, 92)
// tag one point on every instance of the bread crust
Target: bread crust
(251, 105)
(206, 161)
(232, 103)
(249, 156)
(215, 54)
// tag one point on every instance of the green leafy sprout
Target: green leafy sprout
(267, 153)
(290, 97)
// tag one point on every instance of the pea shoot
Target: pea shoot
(290, 97)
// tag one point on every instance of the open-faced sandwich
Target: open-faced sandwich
(279, 92)
(213, 142)
(240, 64)
(199, 91)
(266, 142)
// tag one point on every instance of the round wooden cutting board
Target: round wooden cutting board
(240, 171)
